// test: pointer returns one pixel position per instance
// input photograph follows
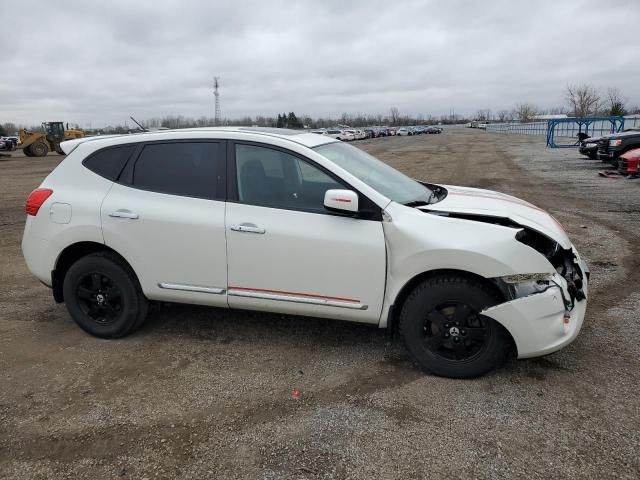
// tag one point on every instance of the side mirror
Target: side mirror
(341, 201)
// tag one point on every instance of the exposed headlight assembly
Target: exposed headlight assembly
(527, 277)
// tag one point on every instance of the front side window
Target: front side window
(272, 178)
(191, 169)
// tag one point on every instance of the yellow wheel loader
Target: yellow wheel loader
(38, 144)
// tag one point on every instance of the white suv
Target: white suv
(298, 223)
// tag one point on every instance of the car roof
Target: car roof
(301, 137)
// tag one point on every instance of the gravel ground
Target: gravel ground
(206, 393)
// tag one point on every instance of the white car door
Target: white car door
(166, 217)
(287, 253)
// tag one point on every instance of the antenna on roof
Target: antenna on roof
(216, 93)
(138, 123)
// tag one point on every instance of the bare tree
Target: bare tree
(394, 115)
(504, 116)
(584, 100)
(525, 112)
(615, 102)
(346, 119)
(561, 110)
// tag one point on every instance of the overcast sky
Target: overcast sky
(99, 62)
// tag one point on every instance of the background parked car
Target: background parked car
(629, 163)
(432, 129)
(589, 146)
(609, 150)
(8, 143)
(357, 134)
(340, 135)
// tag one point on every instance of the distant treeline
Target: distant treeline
(581, 101)
(284, 120)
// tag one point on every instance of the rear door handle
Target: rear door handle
(248, 228)
(124, 214)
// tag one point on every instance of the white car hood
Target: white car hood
(475, 201)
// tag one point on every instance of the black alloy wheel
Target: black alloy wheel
(455, 332)
(99, 298)
(103, 295)
(444, 330)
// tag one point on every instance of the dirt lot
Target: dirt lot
(206, 393)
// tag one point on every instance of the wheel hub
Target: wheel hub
(99, 298)
(454, 331)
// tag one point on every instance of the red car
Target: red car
(629, 162)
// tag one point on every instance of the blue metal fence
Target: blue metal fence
(568, 128)
(591, 126)
(531, 128)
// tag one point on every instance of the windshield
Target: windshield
(378, 175)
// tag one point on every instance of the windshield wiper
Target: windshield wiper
(417, 203)
(421, 203)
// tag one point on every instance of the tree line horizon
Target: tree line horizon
(581, 101)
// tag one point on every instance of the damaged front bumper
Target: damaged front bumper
(542, 323)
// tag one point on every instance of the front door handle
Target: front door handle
(248, 228)
(124, 214)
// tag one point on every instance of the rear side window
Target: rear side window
(191, 169)
(109, 162)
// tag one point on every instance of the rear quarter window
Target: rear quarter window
(110, 161)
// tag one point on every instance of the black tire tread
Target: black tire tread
(42, 144)
(455, 279)
(143, 303)
(142, 300)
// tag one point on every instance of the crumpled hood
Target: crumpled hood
(475, 201)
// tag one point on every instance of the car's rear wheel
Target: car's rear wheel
(443, 329)
(103, 296)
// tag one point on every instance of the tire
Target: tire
(39, 149)
(593, 155)
(103, 296)
(27, 151)
(58, 149)
(442, 329)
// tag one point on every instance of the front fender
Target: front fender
(418, 242)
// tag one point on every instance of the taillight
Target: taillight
(36, 199)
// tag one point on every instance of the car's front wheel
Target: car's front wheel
(103, 296)
(443, 329)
